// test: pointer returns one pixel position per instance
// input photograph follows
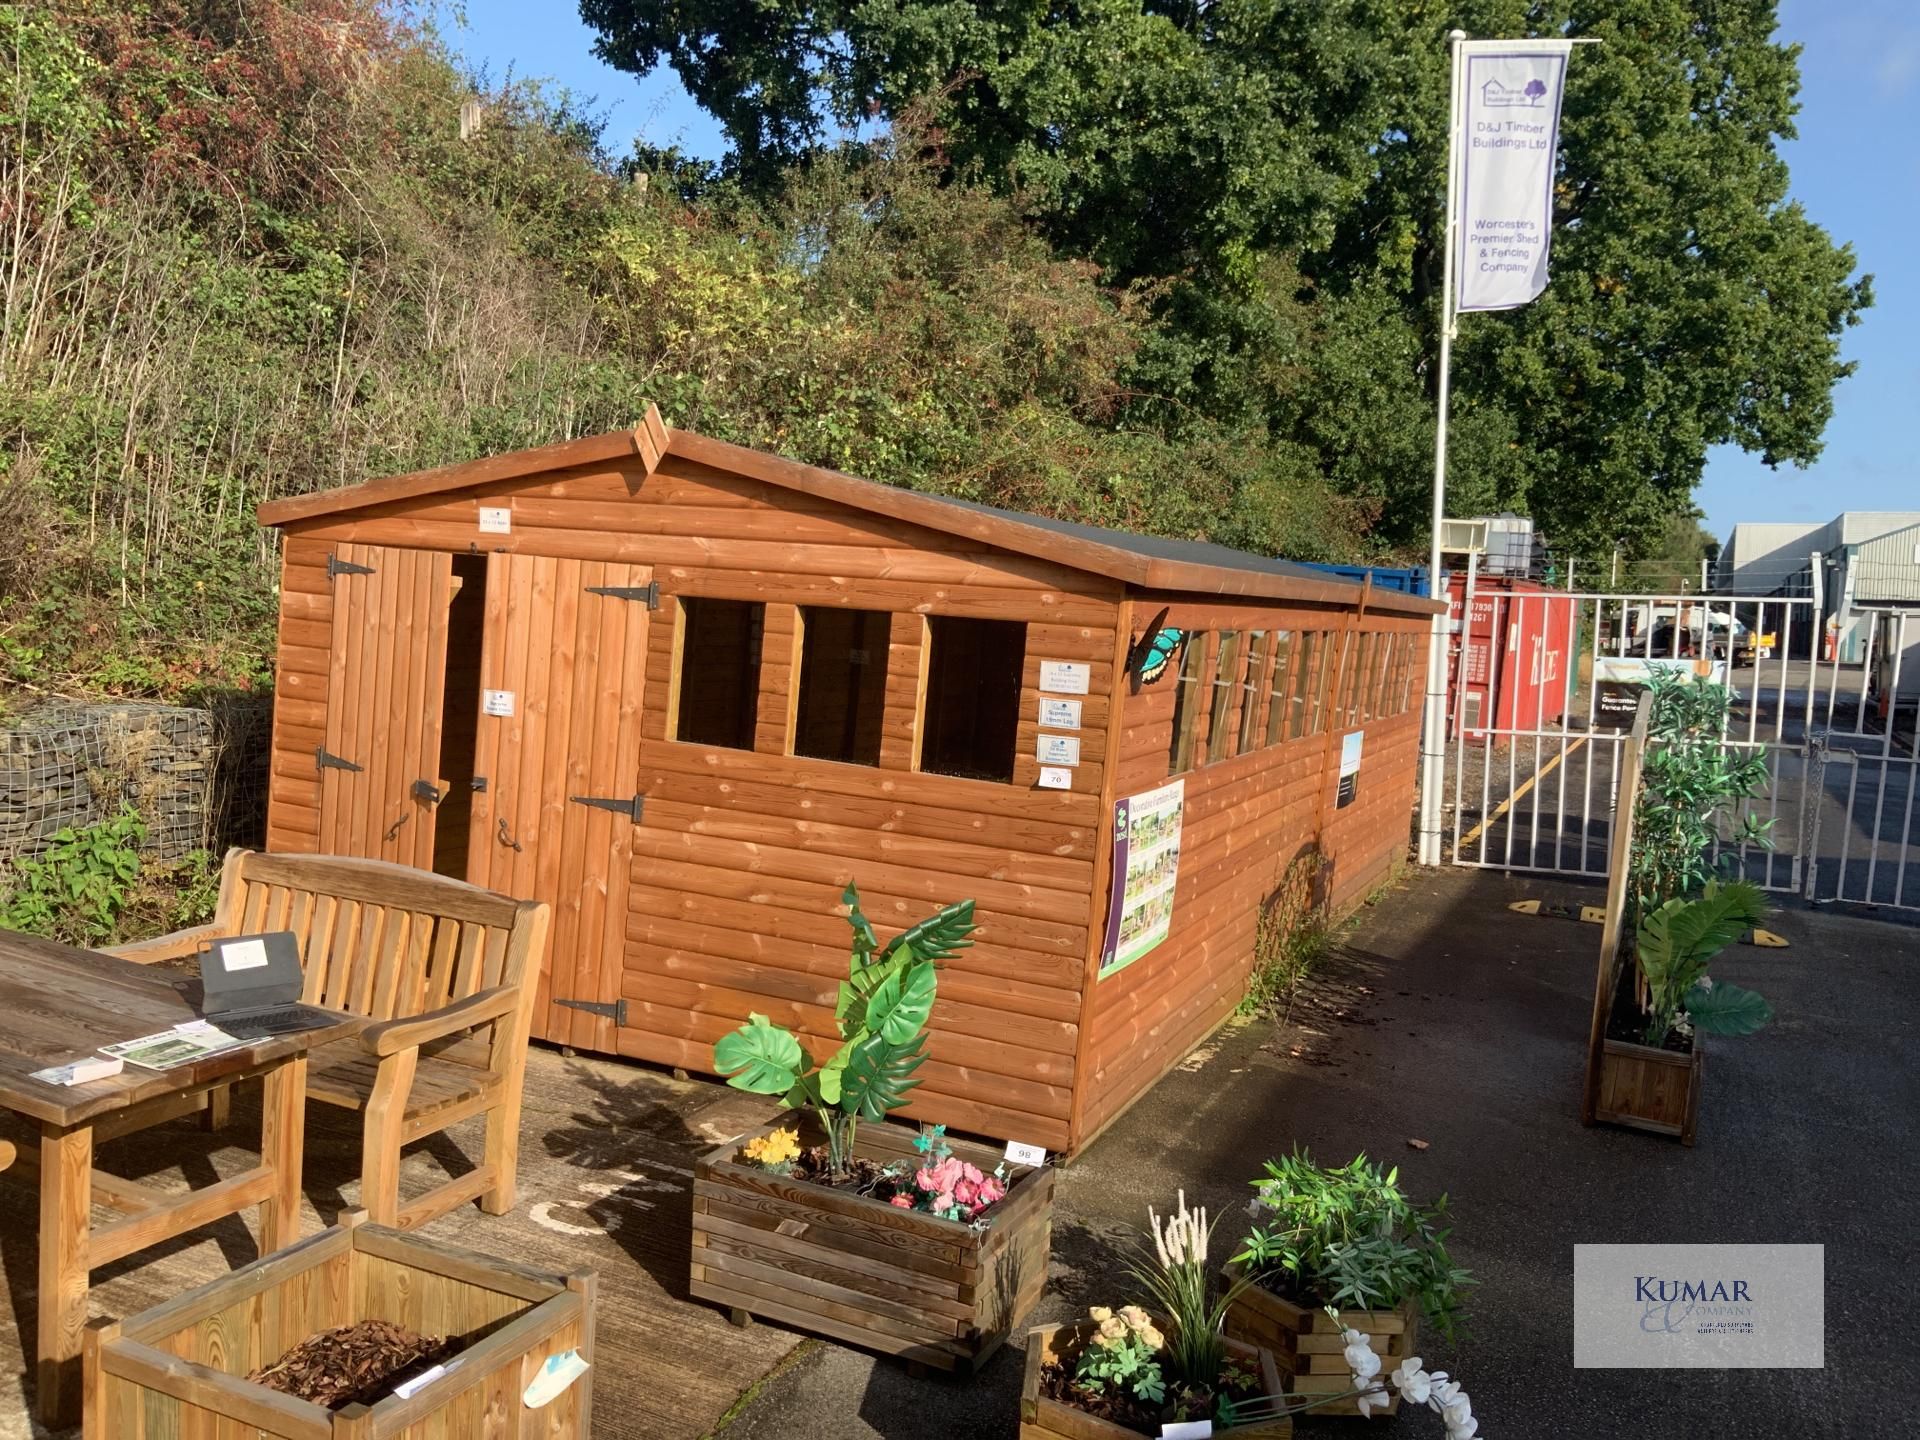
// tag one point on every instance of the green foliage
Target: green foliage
(882, 1014)
(1273, 171)
(1675, 945)
(278, 268)
(1691, 778)
(1348, 1237)
(1127, 1359)
(75, 889)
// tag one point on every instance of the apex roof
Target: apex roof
(1146, 561)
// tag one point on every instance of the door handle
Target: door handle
(506, 836)
(393, 830)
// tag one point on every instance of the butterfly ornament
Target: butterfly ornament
(1150, 655)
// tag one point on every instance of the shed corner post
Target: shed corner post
(1102, 865)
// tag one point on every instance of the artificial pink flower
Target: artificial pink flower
(940, 1178)
(991, 1191)
(943, 1201)
(902, 1202)
(966, 1192)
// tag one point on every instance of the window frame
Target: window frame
(685, 619)
(1253, 667)
(1278, 680)
(1183, 742)
(807, 628)
(930, 626)
(1222, 683)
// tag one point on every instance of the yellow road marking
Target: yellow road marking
(1525, 785)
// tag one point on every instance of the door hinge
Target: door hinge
(337, 566)
(615, 1011)
(632, 809)
(648, 593)
(325, 760)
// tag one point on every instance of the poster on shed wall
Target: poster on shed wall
(1146, 867)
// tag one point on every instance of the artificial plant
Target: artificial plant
(1690, 777)
(1675, 944)
(881, 1018)
(1347, 1236)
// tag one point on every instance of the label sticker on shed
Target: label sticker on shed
(1350, 748)
(1059, 714)
(1057, 749)
(496, 520)
(1065, 677)
(1023, 1154)
(497, 702)
(1055, 777)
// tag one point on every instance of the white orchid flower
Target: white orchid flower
(1413, 1383)
(1461, 1424)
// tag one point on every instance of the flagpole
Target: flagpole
(1433, 744)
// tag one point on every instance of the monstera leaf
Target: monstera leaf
(878, 1076)
(940, 936)
(899, 1006)
(767, 1059)
(1717, 1008)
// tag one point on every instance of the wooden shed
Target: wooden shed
(684, 691)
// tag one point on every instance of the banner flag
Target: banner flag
(1507, 136)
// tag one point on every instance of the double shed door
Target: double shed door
(556, 755)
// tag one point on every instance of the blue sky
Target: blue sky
(1854, 168)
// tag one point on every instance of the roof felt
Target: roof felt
(1156, 547)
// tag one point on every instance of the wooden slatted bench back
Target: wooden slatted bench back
(378, 939)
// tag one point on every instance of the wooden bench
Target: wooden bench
(446, 971)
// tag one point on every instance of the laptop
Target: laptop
(251, 987)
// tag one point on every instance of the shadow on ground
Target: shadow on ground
(1447, 1019)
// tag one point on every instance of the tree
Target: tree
(1274, 169)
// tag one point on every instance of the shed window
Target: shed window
(1319, 710)
(1307, 668)
(843, 684)
(1277, 701)
(1219, 734)
(1252, 676)
(972, 725)
(719, 671)
(1186, 703)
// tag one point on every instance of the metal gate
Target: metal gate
(1542, 688)
(1863, 762)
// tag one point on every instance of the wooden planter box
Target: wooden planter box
(1044, 1419)
(901, 1282)
(1649, 1088)
(178, 1369)
(1306, 1343)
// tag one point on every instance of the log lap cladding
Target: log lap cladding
(685, 691)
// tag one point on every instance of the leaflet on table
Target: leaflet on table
(183, 1045)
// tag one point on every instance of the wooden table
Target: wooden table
(59, 1004)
